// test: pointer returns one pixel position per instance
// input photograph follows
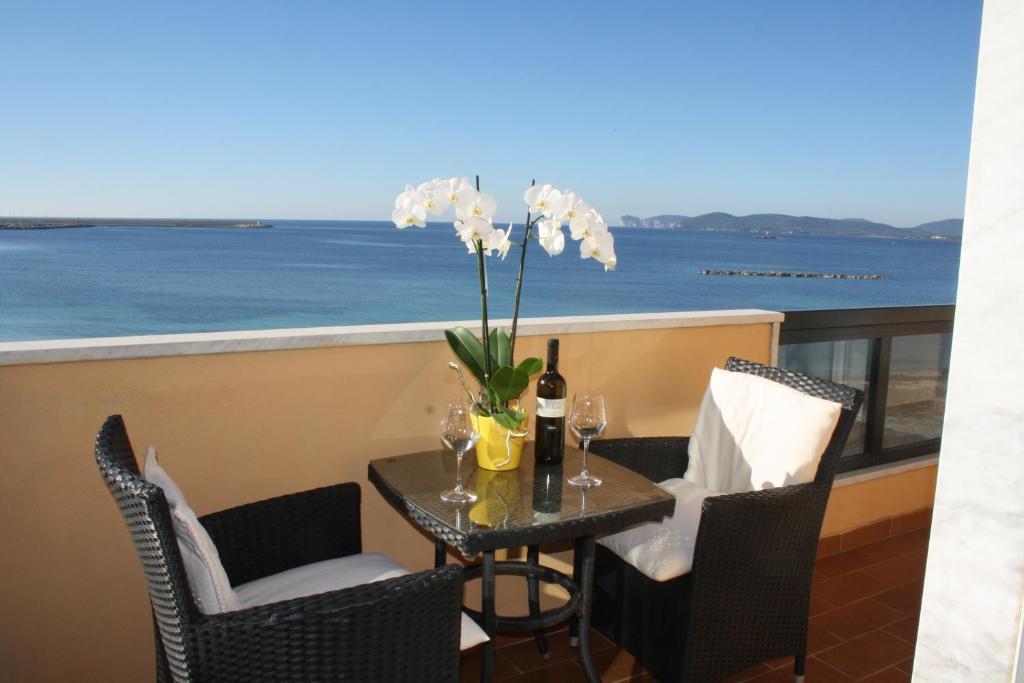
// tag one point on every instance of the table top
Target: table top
(529, 505)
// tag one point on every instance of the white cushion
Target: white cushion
(210, 585)
(664, 550)
(752, 433)
(332, 575)
(154, 473)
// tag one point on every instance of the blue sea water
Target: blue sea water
(112, 281)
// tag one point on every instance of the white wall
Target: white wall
(971, 617)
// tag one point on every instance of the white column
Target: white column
(974, 586)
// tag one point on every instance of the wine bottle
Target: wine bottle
(550, 420)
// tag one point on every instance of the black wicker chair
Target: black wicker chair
(400, 629)
(747, 597)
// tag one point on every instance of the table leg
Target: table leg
(490, 617)
(533, 588)
(577, 559)
(439, 553)
(586, 584)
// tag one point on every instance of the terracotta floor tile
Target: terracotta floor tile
(857, 618)
(830, 545)
(818, 604)
(615, 665)
(890, 675)
(526, 657)
(906, 629)
(899, 545)
(469, 668)
(844, 562)
(900, 569)
(922, 519)
(819, 639)
(866, 534)
(906, 666)
(847, 588)
(747, 674)
(867, 654)
(905, 598)
(563, 672)
(817, 672)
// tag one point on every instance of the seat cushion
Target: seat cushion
(752, 433)
(206, 576)
(332, 575)
(664, 550)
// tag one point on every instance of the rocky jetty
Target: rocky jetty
(797, 274)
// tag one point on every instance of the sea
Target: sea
(112, 281)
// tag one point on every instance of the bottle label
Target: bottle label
(550, 407)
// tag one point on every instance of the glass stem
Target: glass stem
(586, 444)
(458, 472)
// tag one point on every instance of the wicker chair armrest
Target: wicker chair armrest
(754, 558)
(656, 457)
(400, 629)
(270, 536)
(756, 528)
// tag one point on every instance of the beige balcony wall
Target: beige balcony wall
(240, 426)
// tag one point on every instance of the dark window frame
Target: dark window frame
(879, 325)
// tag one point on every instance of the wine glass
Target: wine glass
(588, 421)
(458, 434)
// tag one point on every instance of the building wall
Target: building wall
(974, 586)
(238, 427)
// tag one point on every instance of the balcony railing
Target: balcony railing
(899, 357)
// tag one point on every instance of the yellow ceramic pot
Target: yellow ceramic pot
(495, 450)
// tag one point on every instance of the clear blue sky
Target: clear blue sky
(326, 109)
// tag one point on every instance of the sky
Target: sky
(326, 110)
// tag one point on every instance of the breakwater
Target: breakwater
(796, 274)
(60, 223)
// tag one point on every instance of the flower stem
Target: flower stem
(519, 282)
(482, 269)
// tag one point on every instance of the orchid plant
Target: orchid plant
(491, 358)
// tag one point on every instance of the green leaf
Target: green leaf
(468, 349)
(509, 383)
(506, 420)
(501, 348)
(531, 366)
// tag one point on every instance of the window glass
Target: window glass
(918, 372)
(847, 362)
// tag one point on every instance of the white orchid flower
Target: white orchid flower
(601, 248)
(448, 190)
(403, 199)
(473, 229)
(476, 204)
(590, 224)
(551, 237)
(497, 240)
(409, 214)
(426, 196)
(506, 242)
(544, 199)
(574, 212)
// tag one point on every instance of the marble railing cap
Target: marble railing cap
(150, 346)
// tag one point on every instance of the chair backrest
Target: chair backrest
(849, 398)
(145, 511)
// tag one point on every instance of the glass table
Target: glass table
(525, 507)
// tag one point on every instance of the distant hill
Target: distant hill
(782, 224)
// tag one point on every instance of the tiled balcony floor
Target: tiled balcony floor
(864, 609)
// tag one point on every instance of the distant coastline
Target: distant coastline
(62, 223)
(782, 224)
